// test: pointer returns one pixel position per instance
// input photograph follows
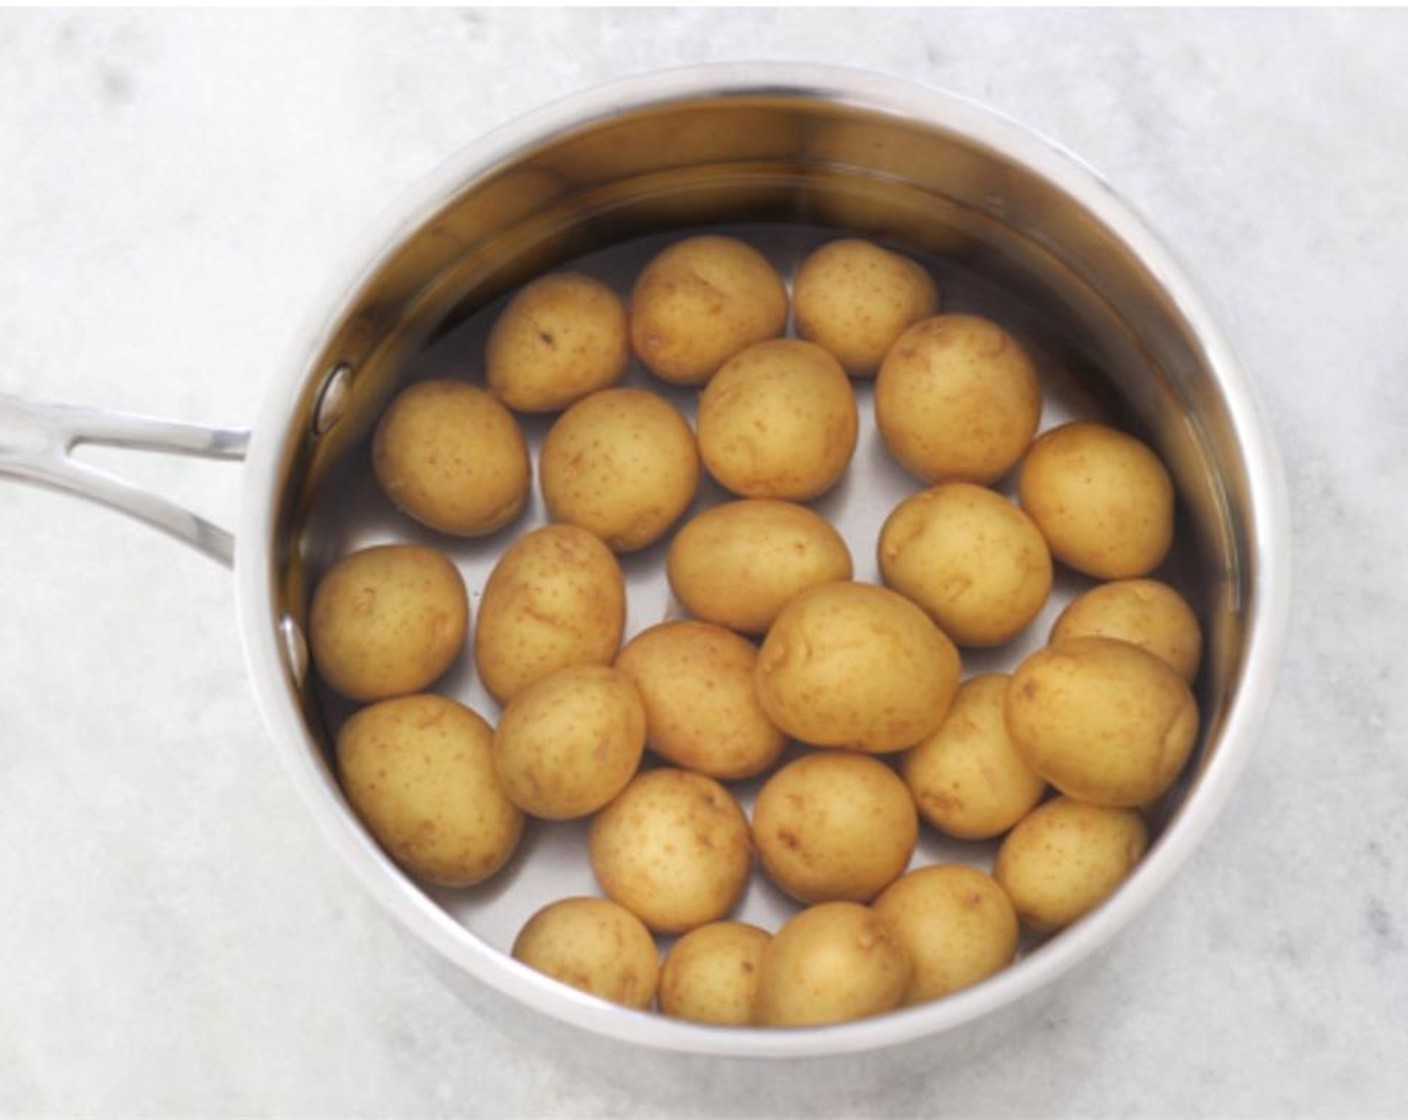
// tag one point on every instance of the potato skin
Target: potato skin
(452, 457)
(1067, 857)
(595, 946)
(1102, 499)
(710, 975)
(956, 924)
(555, 598)
(561, 337)
(831, 963)
(621, 463)
(699, 302)
(856, 666)
(957, 400)
(569, 743)
(387, 621)
(701, 705)
(673, 849)
(834, 826)
(738, 564)
(419, 772)
(974, 561)
(967, 778)
(1145, 612)
(855, 299)
(1102, 720)
(778, 420)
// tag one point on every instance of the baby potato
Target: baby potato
(967, 778)
(710, 975)
(974, 561)
(701, 706)
(452, 457)
(387, 620)
(595, 946)
(559, 338)
(956, 924)
(779, 420)
(829, 964)
(834, 826)
(419, 772)
(569, 743)
(738, 564)
(701, 301)
(854, 299)
(857, 666)
(673, 849)
(622, 464)
(555, 598)
(957, 400)
(1145, 612)
(1102, 499)
(1102, 720)
(1067, 857)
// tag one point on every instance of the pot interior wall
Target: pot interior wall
(1101, 325)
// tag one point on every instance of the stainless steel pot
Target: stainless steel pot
(788, 146)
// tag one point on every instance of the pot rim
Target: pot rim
(274, 436)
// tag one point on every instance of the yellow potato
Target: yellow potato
(701, 706)
(834, 826)
(1102, 720)
(452, 457)
(673, 849)
(555, 598)
(957, 400)
(967, 778)
(622, 464)
(1150, 614)
(855, 299)
(857, 666)
(419, 772)
(738, 564)
(595, 946)
(829, 964)
(710, 975)
(1067, 857)
(701, 301)
(1102, 499)
(568, 744)
(559, 338)
(779, 420)
(974, 561)
(387, 621)
(956, 924)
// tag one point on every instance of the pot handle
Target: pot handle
(36, 444)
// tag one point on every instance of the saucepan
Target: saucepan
(791, 153)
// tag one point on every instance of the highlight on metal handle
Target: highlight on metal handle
(36, 444)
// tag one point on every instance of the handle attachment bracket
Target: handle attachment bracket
(37, 441)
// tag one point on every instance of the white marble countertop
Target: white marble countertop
(176, 189)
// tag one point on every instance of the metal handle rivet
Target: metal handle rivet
(295, 649)
(333, 399)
